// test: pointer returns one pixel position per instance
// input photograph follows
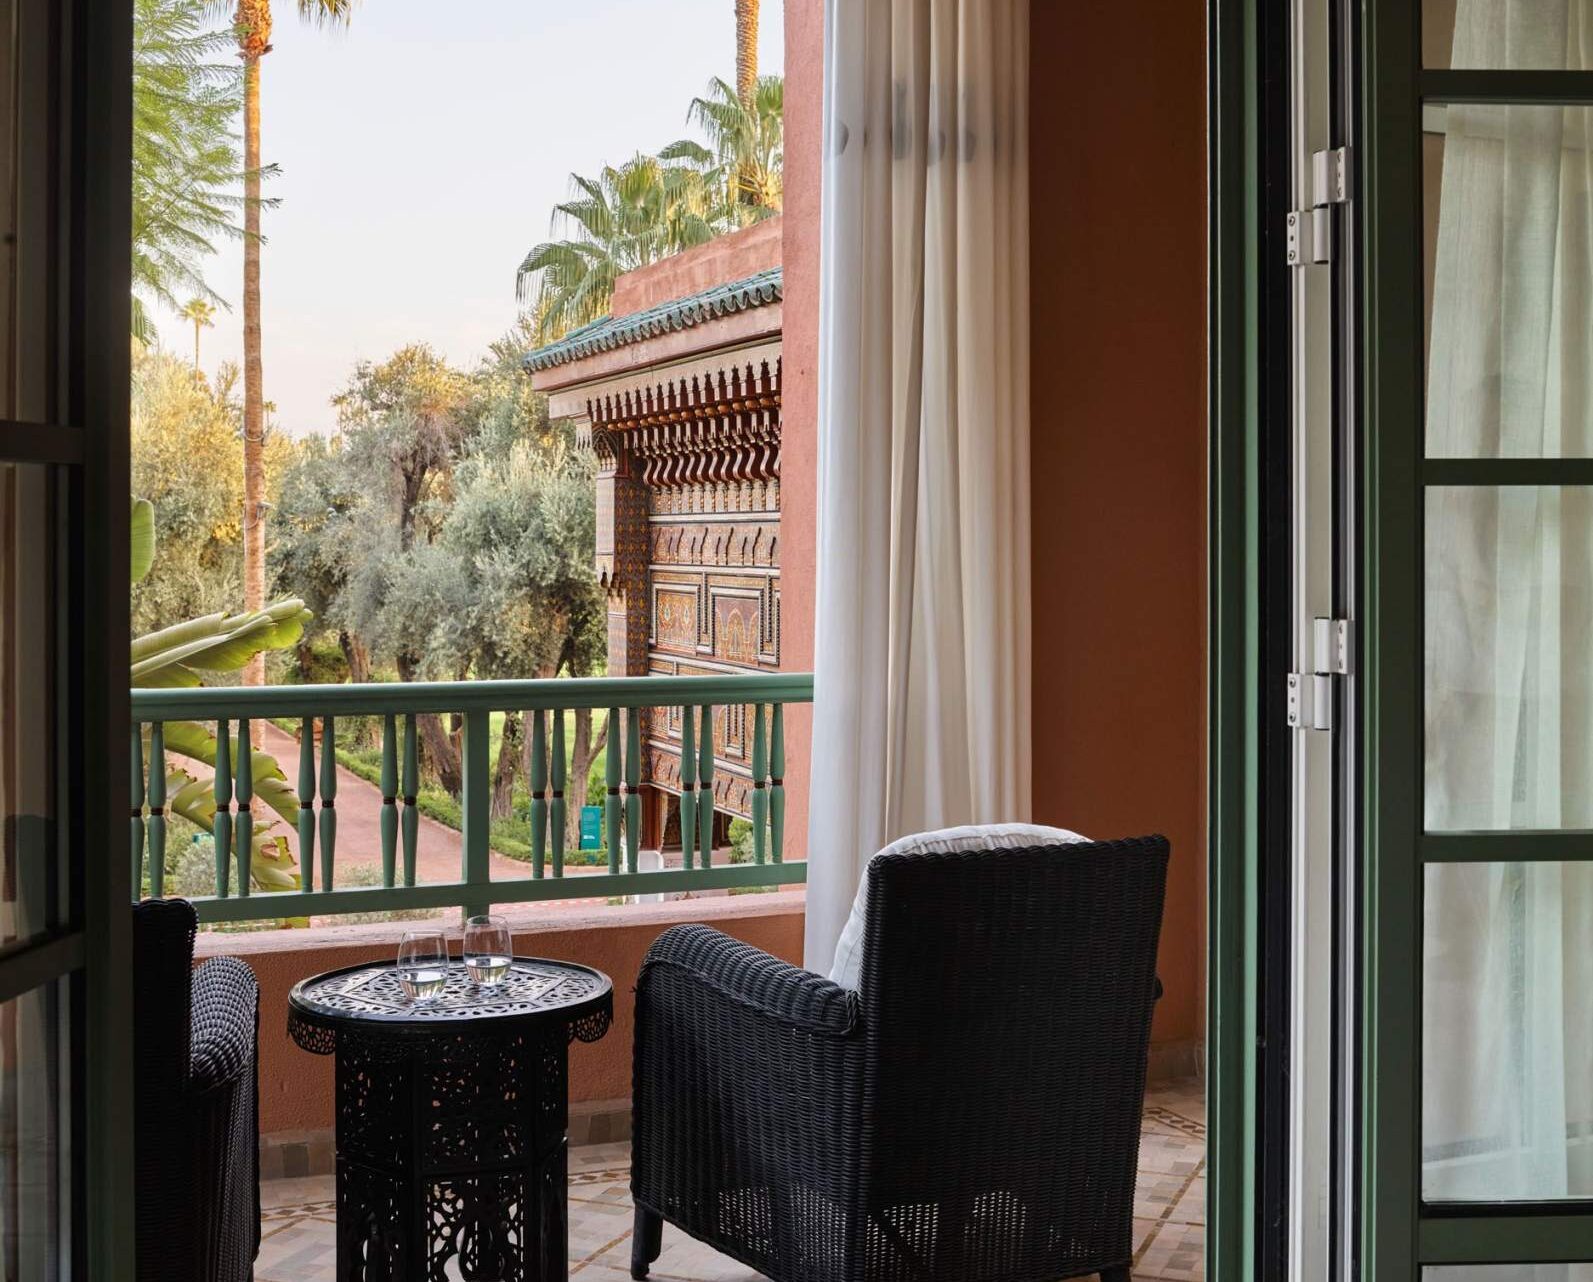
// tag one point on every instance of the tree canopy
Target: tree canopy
(447, 532)
(187, 164)
(656, 205)
(184, 460)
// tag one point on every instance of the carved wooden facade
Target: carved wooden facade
(688, 541)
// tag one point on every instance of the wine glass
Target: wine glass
(487, 950)
(422, 964)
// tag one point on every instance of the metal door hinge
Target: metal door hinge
(1310, 701)
(1310, 694)
(1330, 646)
(1330, 177)
(1310, 231)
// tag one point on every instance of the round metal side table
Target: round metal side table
(451, 1117)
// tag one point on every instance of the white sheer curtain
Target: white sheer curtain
(921, 692)
(1508, 990)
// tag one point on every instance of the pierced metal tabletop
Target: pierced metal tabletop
(367, 1000)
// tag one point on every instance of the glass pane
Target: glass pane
(1524, 35)
(1508, 1273)
(1509, 278)
(1507, 1032)
(30, 898)
(1509, 682)
(26, 184)
(33, 1175)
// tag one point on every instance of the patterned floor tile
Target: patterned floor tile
(298, 1216)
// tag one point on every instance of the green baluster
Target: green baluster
(633, 787)
(539, 791)
(245, 824)
(389, 799)
(411, 818)
(760, 792)
(307, 804)
(557, 814)
(777, 782)
(221, 824)
(476, 807)
(157, 810)
(705, 787)
(611, 801)
(135, 757)
(688, 785)
(328, 799)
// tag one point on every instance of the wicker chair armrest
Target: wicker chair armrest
(753, 978)
(226, 1004)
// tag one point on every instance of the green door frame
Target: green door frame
(1400, 1234)
(72, 137)
(100, 211)
(1233, 630)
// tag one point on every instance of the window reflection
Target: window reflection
(29, 895)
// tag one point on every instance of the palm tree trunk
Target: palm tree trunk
(253, 396)
(196, 345)
(747, 86)
(747, 52)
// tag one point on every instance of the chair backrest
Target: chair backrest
(163, 958)
(1007, 1000)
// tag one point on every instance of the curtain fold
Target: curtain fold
(1508, 947)
(921, 669)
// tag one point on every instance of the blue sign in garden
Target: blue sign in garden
(591, 827)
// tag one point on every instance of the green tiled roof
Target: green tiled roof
(609, 332)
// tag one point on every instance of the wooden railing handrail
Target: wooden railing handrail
(162, 722)
(373, 698)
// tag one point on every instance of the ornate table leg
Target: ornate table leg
(453, 1148)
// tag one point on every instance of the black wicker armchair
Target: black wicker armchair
(971, 1114)
(196, 1121)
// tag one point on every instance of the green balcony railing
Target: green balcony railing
(725, 728)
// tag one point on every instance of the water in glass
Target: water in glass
(487, 950)
(422, 964)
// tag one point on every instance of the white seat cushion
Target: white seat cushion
(847, 968)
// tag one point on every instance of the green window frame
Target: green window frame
(1401, 1234)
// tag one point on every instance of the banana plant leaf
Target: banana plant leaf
(271, 864)
(141, 540)
(192, 740)
(174, 657)
(216, 643)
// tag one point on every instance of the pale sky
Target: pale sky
(422, 151)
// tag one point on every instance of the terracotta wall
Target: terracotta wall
(799, 446)
(1117, 153)
(296, 1087)
(725, 258)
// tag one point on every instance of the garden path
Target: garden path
(439, 849)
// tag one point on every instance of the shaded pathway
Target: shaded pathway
(439, 849)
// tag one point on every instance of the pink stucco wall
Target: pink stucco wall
(725, 258)
(1118, 444)
(799, 442)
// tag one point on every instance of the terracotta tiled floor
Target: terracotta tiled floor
(298, 1216)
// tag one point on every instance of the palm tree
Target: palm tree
(203, 316)
(747, 144)
(251, 22)
(623, 219)
(185, 154)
